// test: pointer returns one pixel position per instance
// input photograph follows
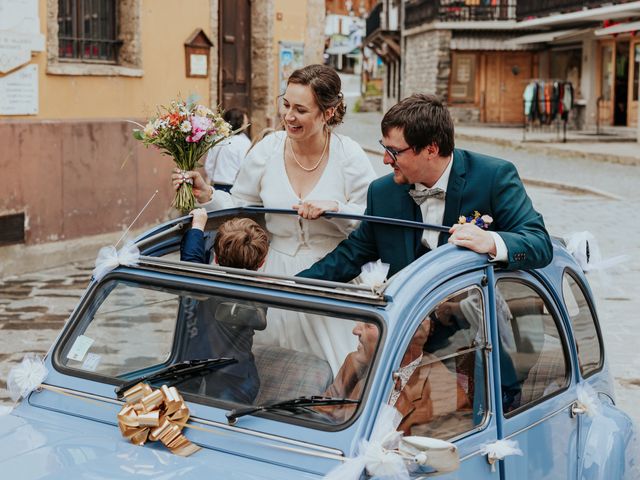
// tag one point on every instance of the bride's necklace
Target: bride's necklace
(324, 150)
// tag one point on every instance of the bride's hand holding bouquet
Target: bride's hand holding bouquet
(186, 132)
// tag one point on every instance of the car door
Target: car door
(441, 381)
(535, 381)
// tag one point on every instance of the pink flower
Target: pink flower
(199, 128)
(487, 219)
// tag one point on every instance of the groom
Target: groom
(433, 183)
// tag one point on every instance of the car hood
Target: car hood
(60, 446)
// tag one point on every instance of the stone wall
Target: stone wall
(263, 91)
(314, 33)
(465, 114)
(214, 64)
(427, 63)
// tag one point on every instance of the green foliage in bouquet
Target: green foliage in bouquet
(185, 132)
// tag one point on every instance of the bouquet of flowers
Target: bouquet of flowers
(184, 131)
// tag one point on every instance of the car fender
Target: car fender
(611, 446)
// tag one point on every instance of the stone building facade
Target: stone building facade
(428, 64)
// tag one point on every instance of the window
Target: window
(439, 386)
(584, 327)
(130, 330)
(133, 328)
(606, 73)
(463, 78)
(87, 30)
(533, 362)
(566, 64)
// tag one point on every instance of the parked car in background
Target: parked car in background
(508, 356)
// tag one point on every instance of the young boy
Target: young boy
(223, 328)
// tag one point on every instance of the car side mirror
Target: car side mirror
(441, 456)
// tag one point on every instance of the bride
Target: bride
(310, 168)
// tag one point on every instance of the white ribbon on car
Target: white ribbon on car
(585, 249)
(379, 455)
(374, 274)
(109, 258)
(588, 399)
(24, 378)
(499, 450)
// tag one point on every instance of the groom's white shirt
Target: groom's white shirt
(433, 212)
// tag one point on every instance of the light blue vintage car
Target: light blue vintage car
(468, 353)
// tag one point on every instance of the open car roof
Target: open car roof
(163, 240)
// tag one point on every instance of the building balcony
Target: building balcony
(418, 12)
(386, 43)
(374, 20)
(542, 8)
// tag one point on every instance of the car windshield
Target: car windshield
(132, 329)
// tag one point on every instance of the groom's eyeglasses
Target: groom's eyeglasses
(393, 153)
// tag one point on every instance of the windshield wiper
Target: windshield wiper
(179, 372)
(296, 405)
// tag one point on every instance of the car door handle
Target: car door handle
(577, 409)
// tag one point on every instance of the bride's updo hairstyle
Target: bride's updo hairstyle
(325, 85)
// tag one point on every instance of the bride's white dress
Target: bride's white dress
(297, 243)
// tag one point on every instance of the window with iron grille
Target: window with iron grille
(87, 30)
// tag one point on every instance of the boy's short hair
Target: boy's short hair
(241, 243)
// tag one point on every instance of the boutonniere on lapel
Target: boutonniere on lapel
(477, 219)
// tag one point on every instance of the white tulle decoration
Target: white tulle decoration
(108, 259)
(378, 456)
(498, 450)
(374, 274)
(585, 249)
(588, 399)
(4, 410)
(26, 377)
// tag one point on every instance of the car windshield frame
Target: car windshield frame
(83, 316)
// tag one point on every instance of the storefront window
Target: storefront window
(463, 78)
(566, 66)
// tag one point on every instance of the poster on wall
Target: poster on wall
(290, 57)
(20, 16)
(19, 92)
(19, 33)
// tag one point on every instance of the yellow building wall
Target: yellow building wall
(289, 26)
(165, 25)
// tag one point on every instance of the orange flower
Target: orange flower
(175, 119)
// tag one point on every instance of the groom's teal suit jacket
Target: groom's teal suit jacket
(477, 183)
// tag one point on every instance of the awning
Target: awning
(546, 37)
(606, 12)
(339, 50)
(619, 28)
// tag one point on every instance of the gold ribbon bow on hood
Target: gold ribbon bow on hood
(156, 415)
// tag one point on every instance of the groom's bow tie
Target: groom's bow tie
(420, 196)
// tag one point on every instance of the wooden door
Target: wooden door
(492, 92)
(235, 53)
(634, 81)
(605, 98)
(515, 73)
(507, 74)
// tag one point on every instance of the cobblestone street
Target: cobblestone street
(34, 306)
